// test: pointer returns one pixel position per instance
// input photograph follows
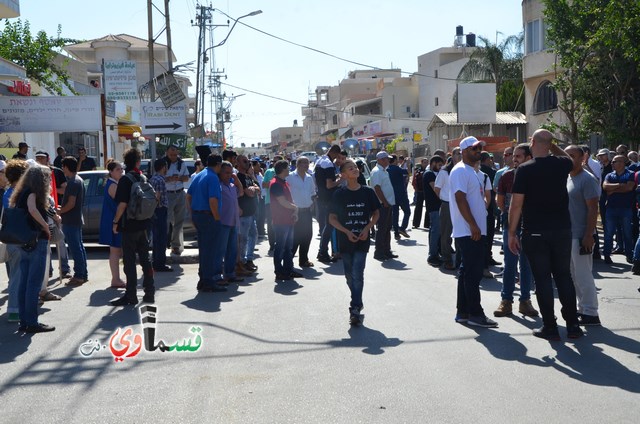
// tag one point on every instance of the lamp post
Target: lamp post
(200, 86)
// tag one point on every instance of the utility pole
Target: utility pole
(152, 88)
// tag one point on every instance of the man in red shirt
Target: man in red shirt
(284, 214)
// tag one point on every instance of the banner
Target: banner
(45, 114)
(120, 81)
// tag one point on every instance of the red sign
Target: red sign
(20, 88)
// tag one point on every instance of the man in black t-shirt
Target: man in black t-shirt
(327, 184)
(353, 212)
(134, 236)
(248, 233)
(433, 203)
(540, 196)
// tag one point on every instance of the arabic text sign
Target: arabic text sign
(157, 119)
(168, 89)
(120, 80)
(45, 114)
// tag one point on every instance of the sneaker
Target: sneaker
(294, 274)
(354, 316)
(574, 331)
(504, 308)
(482, 321)
(585, 320)
(325, 259)
(434, 262)
(391, 255)
(404, 234)
(527, 309)
(39, 328)
(461, 318)
(493, 262)
(13, 317)
(607, 260)
(380, 257)
(547, 333)
(149, 298)
(250, 265)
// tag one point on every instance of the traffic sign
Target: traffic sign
(157, 119)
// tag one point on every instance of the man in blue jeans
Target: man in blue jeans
(433, 203)
(521, 154)
(159, 221)
(540, 197)
(620, 188)
(71, 213)
(203, 201)
(469, 219)
(284, 214)
(354, 211)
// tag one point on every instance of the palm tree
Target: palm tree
(501, 64)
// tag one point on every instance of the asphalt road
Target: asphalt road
(275, 353)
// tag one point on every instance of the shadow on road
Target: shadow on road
(287, 287)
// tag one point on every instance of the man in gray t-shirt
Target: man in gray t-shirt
(71, 213)
(584, 193)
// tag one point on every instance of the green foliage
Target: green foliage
(502, 64)
(598, 70)
(35, 54)
(391, 147)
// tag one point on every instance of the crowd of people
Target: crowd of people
(544, 200)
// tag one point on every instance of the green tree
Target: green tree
(597, 43)
(502, 64)
(35, 54)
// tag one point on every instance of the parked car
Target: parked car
(191, 166)
(94, 182)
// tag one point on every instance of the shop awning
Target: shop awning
(127, 130)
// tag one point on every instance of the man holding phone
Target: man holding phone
(584, 194)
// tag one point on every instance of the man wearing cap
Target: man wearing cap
(540, 197)
(469, 219)
(384, 190)
(177, 175)
(22, 151)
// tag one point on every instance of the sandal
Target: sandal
(49, 296)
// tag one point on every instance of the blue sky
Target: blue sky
(373, 32)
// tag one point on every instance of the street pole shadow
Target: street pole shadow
(287, 287)
(589, 364)
(13, 343)
(373, 341)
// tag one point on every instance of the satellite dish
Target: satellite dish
(350, 143)
(322, 147)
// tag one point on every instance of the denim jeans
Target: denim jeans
(383, 235)
(354, 263)
(208, 230)
(15, 275)
(325, 228)
(282, 253)
(618, 217)
(434, 235)
(302, 234)
(549, 253)
(73, 237)
(510, 268)
(32, 268)
(247, 237)
(228, 241)
(446, 228)
(137, 242)
(471, 269)
(160, 232)
(402, 202)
